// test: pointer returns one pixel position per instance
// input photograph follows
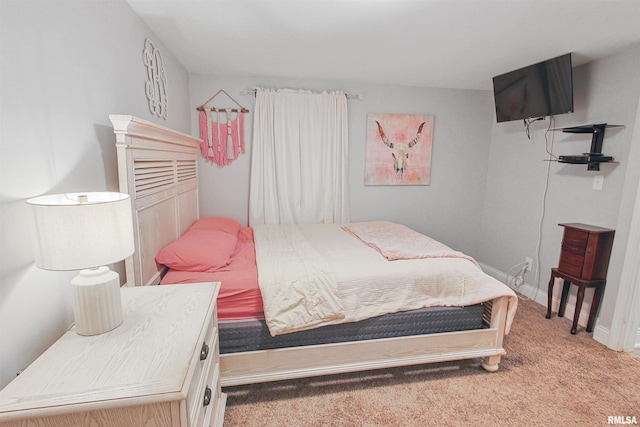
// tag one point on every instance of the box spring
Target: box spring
(252, 334)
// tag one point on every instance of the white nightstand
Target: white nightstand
(159, 368)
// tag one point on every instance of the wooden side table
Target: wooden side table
(584, 261)
(582, 285)
(160, 368)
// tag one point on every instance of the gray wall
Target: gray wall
(66, 65)
(488, 179)
(447, 209)
(605, 91)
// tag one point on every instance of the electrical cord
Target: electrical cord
(527, 123)
(510, 280)
(549, 150)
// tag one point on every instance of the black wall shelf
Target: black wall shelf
(594, 157)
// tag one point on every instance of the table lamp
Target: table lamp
(86, 231)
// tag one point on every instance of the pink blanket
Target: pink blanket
(396, 241)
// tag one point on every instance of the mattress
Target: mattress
(240, 303)
(252, 334)
(367, 284)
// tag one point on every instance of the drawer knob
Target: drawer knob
(204, 351)
(207, 397)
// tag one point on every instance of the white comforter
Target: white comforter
(351, 281)
(298, 287)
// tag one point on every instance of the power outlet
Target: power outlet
(528, 262)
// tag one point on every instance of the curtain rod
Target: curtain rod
(356, 96)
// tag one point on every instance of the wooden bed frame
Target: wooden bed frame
(157, 166)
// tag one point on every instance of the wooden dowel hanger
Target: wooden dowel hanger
(217, 109)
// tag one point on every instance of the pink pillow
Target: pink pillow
(217, 223)
(199, 250)
(245, 234)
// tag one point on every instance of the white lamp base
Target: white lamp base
(97, 301)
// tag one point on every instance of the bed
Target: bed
(157, 166)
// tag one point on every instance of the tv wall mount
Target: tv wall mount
(594, 157)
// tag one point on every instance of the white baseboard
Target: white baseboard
(637, 346)
(529, 291)
(600, 334)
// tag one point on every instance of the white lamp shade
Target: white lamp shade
(81, 230)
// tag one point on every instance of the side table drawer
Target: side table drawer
(212, 410)
(571, 263)
(214, 396)
(578, 250)
(198, 386)
(575, 238)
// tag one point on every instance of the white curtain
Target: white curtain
(299, 157)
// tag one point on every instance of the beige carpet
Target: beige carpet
(548, 378)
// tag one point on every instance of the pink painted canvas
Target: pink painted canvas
(398, 150)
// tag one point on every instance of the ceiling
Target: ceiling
(431, 43)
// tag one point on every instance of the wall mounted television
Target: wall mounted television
(539, 90)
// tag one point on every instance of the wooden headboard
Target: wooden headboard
(157, 167)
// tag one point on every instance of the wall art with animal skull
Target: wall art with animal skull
(398, 150)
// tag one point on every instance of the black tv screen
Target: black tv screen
(539, 90)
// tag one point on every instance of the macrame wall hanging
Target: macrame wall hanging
(222, 131)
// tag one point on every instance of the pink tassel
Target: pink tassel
(241, 133)
(223, 147)
(204, 145)
(215, 158)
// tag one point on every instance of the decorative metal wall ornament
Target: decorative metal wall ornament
(156, 85)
